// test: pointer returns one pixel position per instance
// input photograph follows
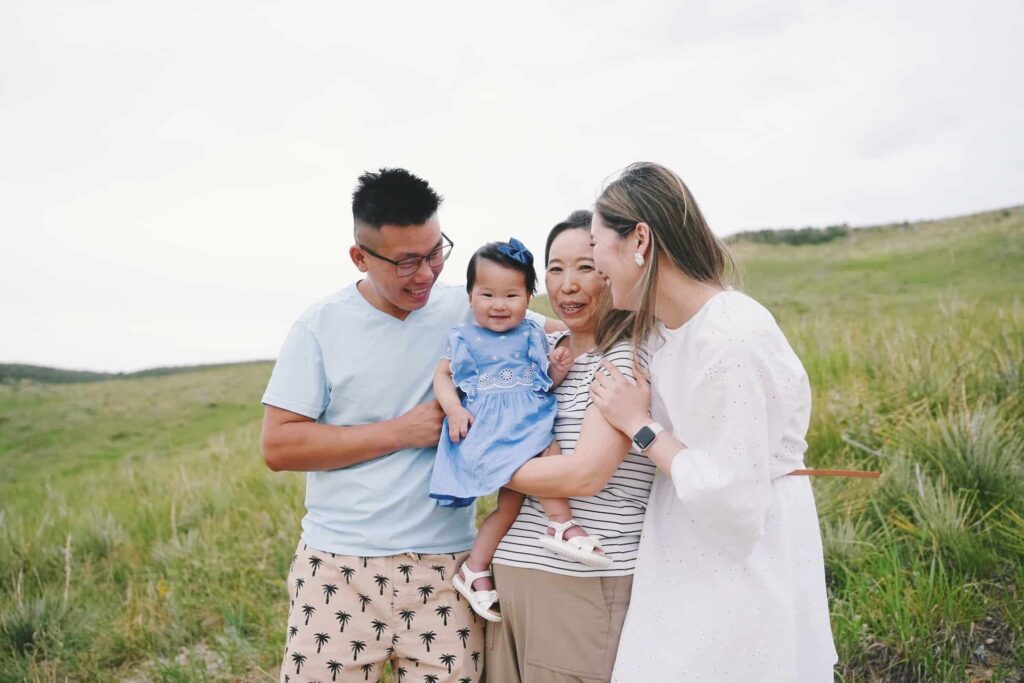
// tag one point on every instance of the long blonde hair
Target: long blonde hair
(650, 193)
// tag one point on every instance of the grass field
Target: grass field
(142, 539)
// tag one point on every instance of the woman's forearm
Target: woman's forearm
(664, 449)
(558, 476)
(599, 452)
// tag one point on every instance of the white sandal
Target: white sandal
(479, 601)
(583, 549)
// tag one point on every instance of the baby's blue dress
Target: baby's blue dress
(504, 379)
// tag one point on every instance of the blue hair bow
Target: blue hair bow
(516, 251)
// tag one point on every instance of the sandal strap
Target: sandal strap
(472, 576)
(588, 543)
(561, 527)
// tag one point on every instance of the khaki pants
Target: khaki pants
(349, 615)
(555, 628)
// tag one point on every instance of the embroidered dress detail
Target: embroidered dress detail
(505, 384)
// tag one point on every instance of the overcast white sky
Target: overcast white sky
(175, 177)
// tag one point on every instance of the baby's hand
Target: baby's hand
(561, 362)
(554, 448)
(458, 424)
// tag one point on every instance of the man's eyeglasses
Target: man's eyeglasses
(407, 266)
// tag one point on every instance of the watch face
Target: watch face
(644, 438)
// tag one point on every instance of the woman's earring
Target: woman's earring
(639, 258)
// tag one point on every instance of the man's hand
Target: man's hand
(458, 424)
(561, 362)
(421, 426)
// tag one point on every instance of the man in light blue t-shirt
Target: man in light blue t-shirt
(350, 403)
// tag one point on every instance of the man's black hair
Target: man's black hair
(393, 196)
(492, 252)
(577, 220)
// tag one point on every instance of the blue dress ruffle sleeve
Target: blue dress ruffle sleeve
(462, 363)
(503, 377)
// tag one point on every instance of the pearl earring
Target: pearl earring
(639, 258)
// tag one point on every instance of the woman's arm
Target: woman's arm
(599, 452)
(623, 399)
(723, 475)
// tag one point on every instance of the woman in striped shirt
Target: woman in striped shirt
(561, 620)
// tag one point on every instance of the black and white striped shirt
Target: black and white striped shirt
(616, 514)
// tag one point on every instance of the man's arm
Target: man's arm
(297, 443)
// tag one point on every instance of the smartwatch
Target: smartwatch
(646, 436)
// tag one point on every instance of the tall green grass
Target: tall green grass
(142, 539)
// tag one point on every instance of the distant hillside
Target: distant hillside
(797, 270)
(816, 235)
(13, 372)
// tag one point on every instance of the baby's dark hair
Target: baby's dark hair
(393, 196)
(511, 254)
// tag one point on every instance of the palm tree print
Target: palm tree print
(430, 678)
(379, 627)
(475, 656)
(366, 671)
(394, 639)
(439, 568)
(428, 638)
(443, 611)
(448, 660)
(407, 615)
(357, 647)
(299, 660)
(406, 570)
(329, 590)
(342, 618)
(292, 630)
(364, 562)
(364, 600)
(315, 563)
(425, 592)
(466, 679)
(321, 640)
(463, 636)
(299, 583)
(308, 610)
(401, 674)
(347, 572)
(381, 582)
(334, 667)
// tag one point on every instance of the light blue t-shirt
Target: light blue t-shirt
(347, 363)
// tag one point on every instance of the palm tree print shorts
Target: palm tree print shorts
(349, 615)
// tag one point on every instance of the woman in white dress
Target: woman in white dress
(729, 582)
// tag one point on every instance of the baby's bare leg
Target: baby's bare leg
(491, 531)
(557, 509)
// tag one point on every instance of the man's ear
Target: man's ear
(358, 258)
